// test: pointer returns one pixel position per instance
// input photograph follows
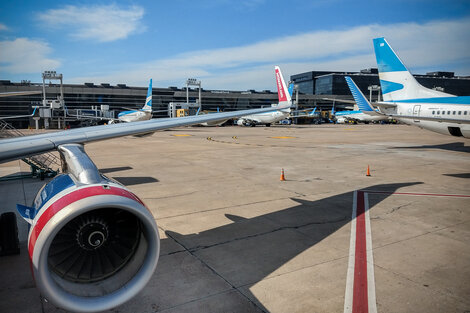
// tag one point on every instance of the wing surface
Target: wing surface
(15, 148)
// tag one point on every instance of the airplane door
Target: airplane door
(416, 110)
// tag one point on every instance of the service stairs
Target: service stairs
(42, 165)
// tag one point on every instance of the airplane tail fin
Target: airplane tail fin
(148, 101)
(291, 89)
(313, 111)
(361, 101)
(396, 81)
(282, 91)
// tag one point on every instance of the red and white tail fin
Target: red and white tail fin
(282, 92)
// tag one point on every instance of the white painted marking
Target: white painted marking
(348, 297)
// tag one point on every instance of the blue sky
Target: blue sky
(226, 44)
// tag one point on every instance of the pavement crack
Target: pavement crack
(197, 248)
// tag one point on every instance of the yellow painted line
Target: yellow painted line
(181, 135)
(283, 137)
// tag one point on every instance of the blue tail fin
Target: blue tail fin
(148, 101)
(359, 97)
(396, 81)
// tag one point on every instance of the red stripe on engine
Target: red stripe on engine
(360, 296)
(71, 198)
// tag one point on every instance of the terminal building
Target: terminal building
(311, 90)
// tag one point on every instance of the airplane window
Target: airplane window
(448, 112)
(432, 112)
(460, 112)
(464, 112)
(443, 112)
(437, 112)
(454, 112)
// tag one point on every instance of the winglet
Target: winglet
(282, 91)
(359, 97)
(148, 101)
(26, 212)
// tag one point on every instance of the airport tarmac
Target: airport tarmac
(234, 238)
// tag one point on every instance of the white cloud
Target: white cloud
(421, 46)
(3, 27)
(103, 23)
(24, 55)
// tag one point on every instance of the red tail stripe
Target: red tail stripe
(416, 194)
(71, 198)
(360, 296)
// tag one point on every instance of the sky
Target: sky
(228, 45)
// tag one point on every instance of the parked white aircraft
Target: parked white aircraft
(82, 216)
(139, 115)
(279, 112)
(357, 116)
(410, 102)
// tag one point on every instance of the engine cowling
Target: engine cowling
(92, 246)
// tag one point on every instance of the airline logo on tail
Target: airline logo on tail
(281, 87)
(396, 81)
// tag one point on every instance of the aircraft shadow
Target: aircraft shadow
(459, 175)
(115, 169)
(248, 250)
(130, 181)
(454, 146)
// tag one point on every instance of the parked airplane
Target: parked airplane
(279, 112)
(410, 102)
(214, 123)
(82, 218)
(139, 115)
(357, 116)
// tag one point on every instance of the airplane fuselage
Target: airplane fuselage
(134, 116)
(357, 116)
(448, 116)
(264, 118)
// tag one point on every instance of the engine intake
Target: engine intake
(93, 244)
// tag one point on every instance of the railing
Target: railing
(43, 165)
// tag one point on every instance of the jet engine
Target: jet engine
(93, 244)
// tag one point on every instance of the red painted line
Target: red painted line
(360, 300)
(71, 198)
(416, 194)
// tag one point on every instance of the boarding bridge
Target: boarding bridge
(42, 165)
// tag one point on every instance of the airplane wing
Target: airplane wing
(18, 147)
(339, 100)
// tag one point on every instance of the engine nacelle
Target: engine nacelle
(92, 246)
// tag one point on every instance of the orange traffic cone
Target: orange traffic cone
(368, 171)
(282, 175)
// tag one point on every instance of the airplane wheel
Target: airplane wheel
(9, 243)
(267, 125)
